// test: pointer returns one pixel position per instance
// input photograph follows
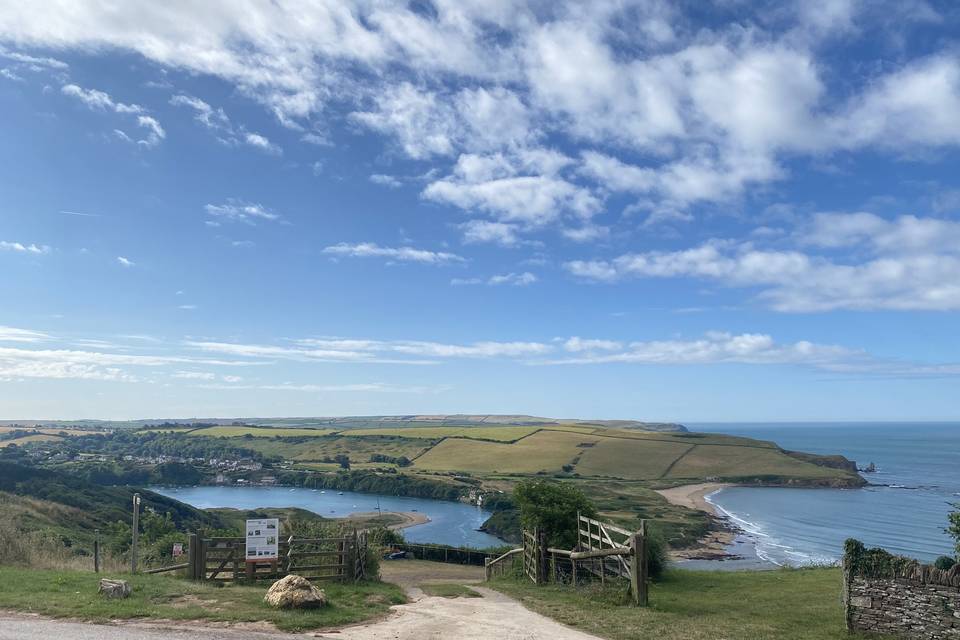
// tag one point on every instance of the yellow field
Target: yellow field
(40, 437)
(505, 434)
(543, 451)
(634, 459)
(259, 432)
(707, 460)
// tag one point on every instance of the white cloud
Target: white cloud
(12, 334)
(194, 375)
(511, 279)
(385, 180)
(17, 247)
(714, 348)
(102, 101)
(915, 266)
(401, 254)
(125, 262)
(261, 142)
(514, 279)
(484, 231)
(155, 133)
(676, 109)
(217, 120)
(99, 100)
(235, 210)
(521, 189)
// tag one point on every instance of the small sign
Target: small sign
(177, 549)
(262, 539)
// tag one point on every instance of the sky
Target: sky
(651, 210)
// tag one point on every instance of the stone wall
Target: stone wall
(899, 597)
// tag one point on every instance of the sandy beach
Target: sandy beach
(693, 496)
(408, 518)
(715, 545)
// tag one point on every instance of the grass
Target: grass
(543, 451)
(802, 604)
(73, 594)
(258, 432)
(505, 434)
(610, 453)
(449, 591)
(39, 437)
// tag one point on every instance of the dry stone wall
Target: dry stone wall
(899, 597)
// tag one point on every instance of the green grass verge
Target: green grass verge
(73, 594)
(449, 591)
(801, 604)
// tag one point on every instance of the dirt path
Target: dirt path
(426, 618)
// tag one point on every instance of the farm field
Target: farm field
(544, 451)
(506, 434)
(39, 437)
(258, 432)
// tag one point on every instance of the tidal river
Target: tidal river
(453, 523)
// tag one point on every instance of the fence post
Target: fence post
(192, 555)
(541, 556)
(135, 530)
(96, 551)
(638, 566)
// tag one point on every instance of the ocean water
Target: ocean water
(918, 476)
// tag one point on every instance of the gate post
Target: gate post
(638, 567)
(192, 553)
(542, 566)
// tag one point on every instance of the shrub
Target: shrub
(944, 562)
(656, 551)
(552, 507)
(954, 528)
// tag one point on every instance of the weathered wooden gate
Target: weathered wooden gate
(603, 552)
(223, 559)
(534, 555)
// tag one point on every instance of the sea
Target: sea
(904, 510)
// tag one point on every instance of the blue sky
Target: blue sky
(649, 210)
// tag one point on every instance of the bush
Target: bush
(944, 562)
(552, 507)
(656, 551)
(954, 529)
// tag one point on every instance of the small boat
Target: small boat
(323, 492)
(339, 493)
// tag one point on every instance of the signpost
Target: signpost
(135, 530)
(263, 541)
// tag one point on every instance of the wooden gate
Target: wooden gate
(223, 559)
(534, 555)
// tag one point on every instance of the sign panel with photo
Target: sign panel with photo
(262, 539)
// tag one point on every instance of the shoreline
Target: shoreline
(715, 545)
(409, 518)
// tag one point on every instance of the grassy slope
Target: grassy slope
(691, 605)
(52, 495)
(74, 594)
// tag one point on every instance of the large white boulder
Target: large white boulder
(295, 592)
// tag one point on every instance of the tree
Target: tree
(552, 507)
(954, 529)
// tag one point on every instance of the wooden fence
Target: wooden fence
(603, 552)
(340, 558)
(443, 553)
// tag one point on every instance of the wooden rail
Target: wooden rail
(499, 565)
(603, 551)
(222, 559)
